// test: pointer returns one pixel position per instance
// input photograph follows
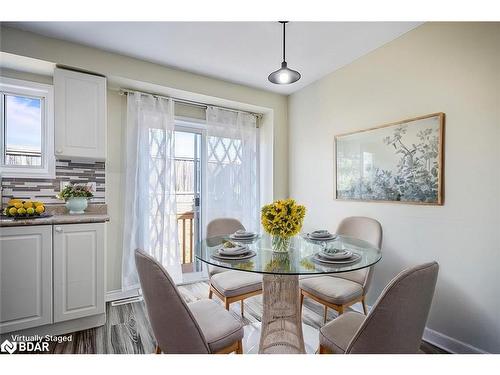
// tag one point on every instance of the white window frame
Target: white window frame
(46, 94)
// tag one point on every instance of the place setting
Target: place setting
(322, 235)
(230, 250)
(243, 236)
(334, 255)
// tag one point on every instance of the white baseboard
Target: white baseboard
(449, 343)
(439, 339)
(114, 295)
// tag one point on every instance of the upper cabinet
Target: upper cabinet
(80, 115)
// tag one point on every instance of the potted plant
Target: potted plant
(76, 197)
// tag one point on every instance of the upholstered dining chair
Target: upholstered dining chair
(196, 328)
(396, 322)
(342, 290)
(230, 285)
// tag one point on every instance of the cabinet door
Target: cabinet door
(80, 115)
(78, 270)
(25, 277)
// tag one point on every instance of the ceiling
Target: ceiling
(239, 52)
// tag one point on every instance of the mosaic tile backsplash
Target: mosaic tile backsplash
(45, 190)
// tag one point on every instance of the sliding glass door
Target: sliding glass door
(188, 173)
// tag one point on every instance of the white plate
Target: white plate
(250, 254)
(233, 251)
(354, 258)
(323, 239)
(343, 254)
(235, 237)
(320, 234)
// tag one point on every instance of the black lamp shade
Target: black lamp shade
(284, 75)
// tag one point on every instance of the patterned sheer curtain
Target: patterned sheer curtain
(150, 221)
(231, 167)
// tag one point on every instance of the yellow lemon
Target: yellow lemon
(38, 204)
(18, 205)
(30, 210)
(27, 204)
(21, 211)
(40, 209)
(13, 211)
(14, 201)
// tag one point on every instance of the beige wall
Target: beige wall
(131, 71)
(453, 68)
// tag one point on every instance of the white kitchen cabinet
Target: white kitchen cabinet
(80, 115)
(25, 277)
(78, 270)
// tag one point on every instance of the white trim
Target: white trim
(46, 93)
(449, 343)
(114, 295)
(438, 339)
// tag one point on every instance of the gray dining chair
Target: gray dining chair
(229, 285)
(199, 327)
(342, 290)
(394, 325)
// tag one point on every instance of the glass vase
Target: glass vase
(281, 244)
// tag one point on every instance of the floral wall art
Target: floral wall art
(396, 162)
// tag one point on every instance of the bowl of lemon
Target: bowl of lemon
(21, 209)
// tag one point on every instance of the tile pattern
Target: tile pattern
(45, 190)
(127, 330)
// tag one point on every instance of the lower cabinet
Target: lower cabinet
(25, 277)
(78, 271)
(51, 274)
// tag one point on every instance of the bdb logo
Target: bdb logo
(8, 347)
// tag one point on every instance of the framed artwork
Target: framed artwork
(399, 162)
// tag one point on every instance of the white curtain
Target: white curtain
(232, 186)
(150, 221)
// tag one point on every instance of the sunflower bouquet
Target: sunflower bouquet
(282, 219)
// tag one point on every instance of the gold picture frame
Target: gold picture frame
(397, 162)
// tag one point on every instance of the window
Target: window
(26, 129)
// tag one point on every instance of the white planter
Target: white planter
(77, 205)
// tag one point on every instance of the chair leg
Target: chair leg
(210, 293)
(364, 306)
(301, 300)
(341, 310)
(157, 350)
(226, 303)
(242, 308)
(322, 350)
(239, 349)
(325, 314)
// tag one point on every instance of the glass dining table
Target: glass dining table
(281, 326)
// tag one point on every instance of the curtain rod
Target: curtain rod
(189, 102)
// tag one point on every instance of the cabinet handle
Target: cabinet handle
(58, 229)
(58, 151)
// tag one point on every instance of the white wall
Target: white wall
(448, 67)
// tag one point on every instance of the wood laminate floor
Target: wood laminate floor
(127, 330)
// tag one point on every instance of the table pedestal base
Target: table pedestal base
(281, 317)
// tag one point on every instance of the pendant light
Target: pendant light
(284, 75)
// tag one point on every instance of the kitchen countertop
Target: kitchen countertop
(95, 213)
(56, 219)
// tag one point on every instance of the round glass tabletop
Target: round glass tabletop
(301, 259)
